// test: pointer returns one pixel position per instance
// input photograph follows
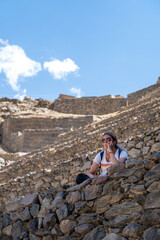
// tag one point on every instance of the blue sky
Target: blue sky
(78, 47)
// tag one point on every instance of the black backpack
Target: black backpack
(119, 153)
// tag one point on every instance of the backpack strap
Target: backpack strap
(119, 152)
(101, 154)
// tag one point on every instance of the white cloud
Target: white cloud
(15, 64)
(21, 96)
(3, 42)
(60, 69)
(76, 91)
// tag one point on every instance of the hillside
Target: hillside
(125, 205)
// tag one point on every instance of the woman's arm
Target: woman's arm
(93, 170)
(114, 159)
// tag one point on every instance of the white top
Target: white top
(104, 163)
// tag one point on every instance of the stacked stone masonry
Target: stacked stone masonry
(99, 105)
(28, 134)
(88, 106)
(125, 205)
(65, 155)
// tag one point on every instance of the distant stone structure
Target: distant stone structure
(89, 105)
(28, 134)
(25, 134)
(158, 81)
(64, 96)
(98, 105)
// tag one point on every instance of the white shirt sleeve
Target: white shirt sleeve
(97, 158)
(124, 154)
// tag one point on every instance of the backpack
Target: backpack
(119, 153)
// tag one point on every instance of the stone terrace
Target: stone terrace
(123, 206)
(59, 163)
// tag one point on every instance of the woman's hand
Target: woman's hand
(108, 147)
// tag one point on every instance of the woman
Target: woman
(111, 155)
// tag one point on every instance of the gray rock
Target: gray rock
(66, 238)
(101, 180)
(90, 218)
(12, 205)
(79, 186)
(33, 237)
(150, 217)
(111, 186)
(6, 220)
(14, 216)
(158, 138)
(62, 212)
(25, 215)
(152, 200)
(133, 230)
(86, 166)
(33, 224)
(84, 228)
(155, 147)
(56, 232)
(155, 157)
(151, 233)
(129, 172)
(134, 163)
(103, 204)
(134, 153)
(17, 230)
(67, 226)
(149, 164)
(123, 208)
(137, 189)
(82, 207)
(121, 220)
(114, 168)
(35, 210)
(114, 236)
(92, 192)
(29, 200)
(145, 150)
(155, 186)
(73, 197)
(48, 238)
(7, 230)
(131, 144)
(139, 145)
(56, 203)
(97, 233)
(150, 143)
(42, 232)
(153, 173)
(49, 220)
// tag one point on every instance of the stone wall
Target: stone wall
(125, 205)
(133, 97)
(98, 105)
(52, 169)
(89, 105)
(28, 134)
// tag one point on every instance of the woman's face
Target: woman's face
(107, 139)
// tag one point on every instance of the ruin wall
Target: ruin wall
(52, 169)
(133, 97)
(98, 105)
(28, 134)
(89, 105)
(124, 205)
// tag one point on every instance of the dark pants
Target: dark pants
(81, 178)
